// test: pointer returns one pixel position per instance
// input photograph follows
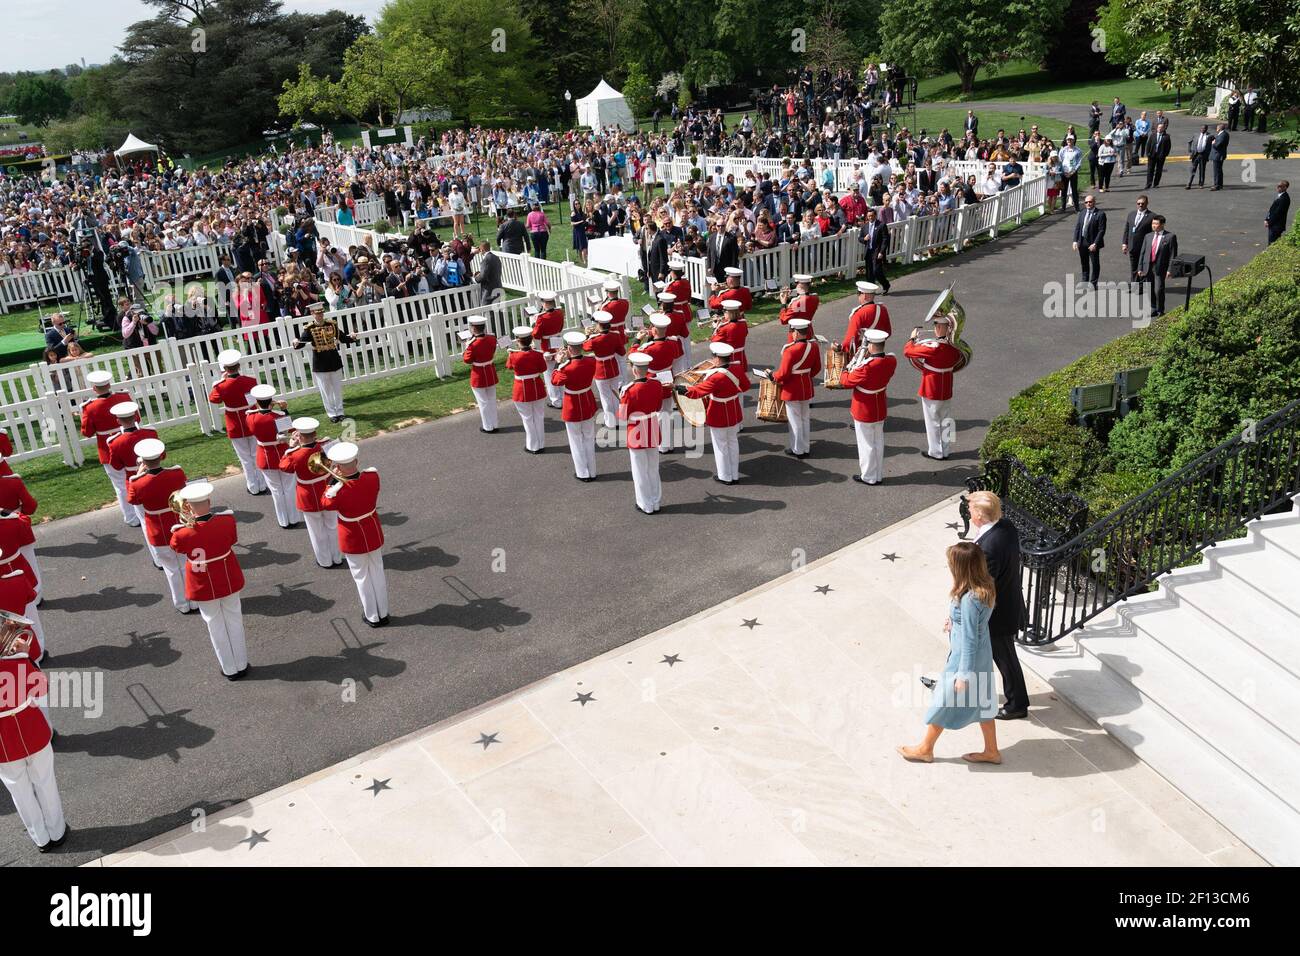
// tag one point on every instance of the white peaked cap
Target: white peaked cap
(612, 285)
(876, 335)
(640, 358)
(124, 409)
(229, 357)
(478, 320)
(99, 377)
(262, 392)
(546, 295)
(666, 297)
(574, 338)
(603, 317)
(721, 348)
(195, 491)
(150, 448)
(802, 277)
(660, 321)
(799, 324)
(731, 305)
(676, 264)
(733, 271)
(306, 424)
(342, 452)
(519, 331)
(868, 287)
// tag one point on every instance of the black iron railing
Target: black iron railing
(1077, 576)
(1043, 515)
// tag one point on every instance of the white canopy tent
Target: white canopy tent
(134, 144)
(605, 106)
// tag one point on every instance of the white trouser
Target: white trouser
(726, 451)
(682, 362)
(246, 452)
(607, 389)
(322, 529)
(645, 478)
(554, 393)
(225, 621)
(871, 450)
(131, 514)
(622, 368)
(667, 412)
(486, 399)
(799, 417)
(36, 795)
(936, 435)
(174, 570)
(368, 573)
(28, 551)
(284, 490)
(34, 615)
(330, 386)
(582, 446)
(533, 415)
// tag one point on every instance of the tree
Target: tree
(391, 72)
(1111, 29)
(966, 35)
(828, 45)
(36, 100)
(638, 91)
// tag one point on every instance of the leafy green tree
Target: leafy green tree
(1120, 45)
(36, 100)
(638, 91)
(391, 72)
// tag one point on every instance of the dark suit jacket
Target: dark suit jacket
(1204, 151)
(1168, 249)
(654, 256)
(1220, 146)
(1159, 147)
(723, 251)
(489, 272)
(1096, 231)
(1135, 232)
(1001, 547)
(1277, 211)
(877, 244)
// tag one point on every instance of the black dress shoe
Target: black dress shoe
(488, 431)
(382, 622)
(536, 452)
(235, 676)
(791, 453)
(1004, 714)
(55, 844)
(336, 418)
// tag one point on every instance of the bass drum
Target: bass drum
(692, 409)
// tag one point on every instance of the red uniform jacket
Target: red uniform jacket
(14, 559)
(638, 405)
(529, 365)
(479, 353)
(576, 377)
(6, 449)
(150, 491)
(15, 532)
(800, 307)
(211, 568)
(311, 488)
(618, 309)
(548, 325)
(121, 448)
(663, 353)
(869, 382)
(23, 728)
(97, 423)
(680, 321)
(16, 593)
(868, 316)
(682, 289)
(14, 495)
(232, 391)
(741, 295)
(270, 445)
(355, 500)
(603, 348)
(721, 389)
(734, 332)
(935, 360)
(800, 361)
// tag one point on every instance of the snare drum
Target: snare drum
(692, 409)
(835, 361)
(771, 408)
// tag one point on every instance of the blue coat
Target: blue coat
(970, 657)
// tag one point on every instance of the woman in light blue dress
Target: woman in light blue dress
(966, 691)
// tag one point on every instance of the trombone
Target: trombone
(317, 465)
(184, 513)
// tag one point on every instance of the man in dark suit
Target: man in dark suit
(1158, 249)
(1136, 228)
(1000, 542)
(1218, 154)
(488, 276)
(654, 254)
(1157, 152)
(972, 123)
(1281, 205)
(723, 252)
(512, 237)
(1198, 150)
(874, 236)
(1090, 239)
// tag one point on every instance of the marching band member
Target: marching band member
(574, 376)
(639, 403)
(18, 596)
(547, 327)
(607, 347)
(529, 390)
(680, 289)
(322, 525)
(733, 291)
(802, 305)
(121, 447)
(869, 405)
(480, 351)
(324, 336)
(935, 359)
(98, 422)
(269, 424)
(16, 538)
(679, 329)
(618, 308)
(14, 495)
(733, 330)
(868, 315)
(149, 488)
(663, 352)
(801, 359)
(26, 757)
(354, 495)
(231, 392)
(6, 449)
(721, 388)
(213, 578)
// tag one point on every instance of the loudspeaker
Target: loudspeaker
(1180, 267)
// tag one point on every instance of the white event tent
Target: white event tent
(604, 106)
(134, 144)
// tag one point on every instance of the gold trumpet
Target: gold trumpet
(184, 513)
(317, 465)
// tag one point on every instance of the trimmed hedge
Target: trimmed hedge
(1212, 370)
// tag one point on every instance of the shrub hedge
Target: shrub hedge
(1213, 368)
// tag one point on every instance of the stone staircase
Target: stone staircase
(1201, 680)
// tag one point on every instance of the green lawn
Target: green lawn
(10, 133)
(932, 120)
(1026, 83)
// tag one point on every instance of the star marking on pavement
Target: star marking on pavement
(671, 659)
(583, 699)
(824, 589)
(750, 622)
(254, 838)
(952, 525)
(891, 558)
(487, 740)
(376, 785)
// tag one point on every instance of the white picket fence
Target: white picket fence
(909, 239)
(366, 211)
(676, 170)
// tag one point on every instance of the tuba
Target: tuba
(15, 633)
(947, 304)
(184, 513)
